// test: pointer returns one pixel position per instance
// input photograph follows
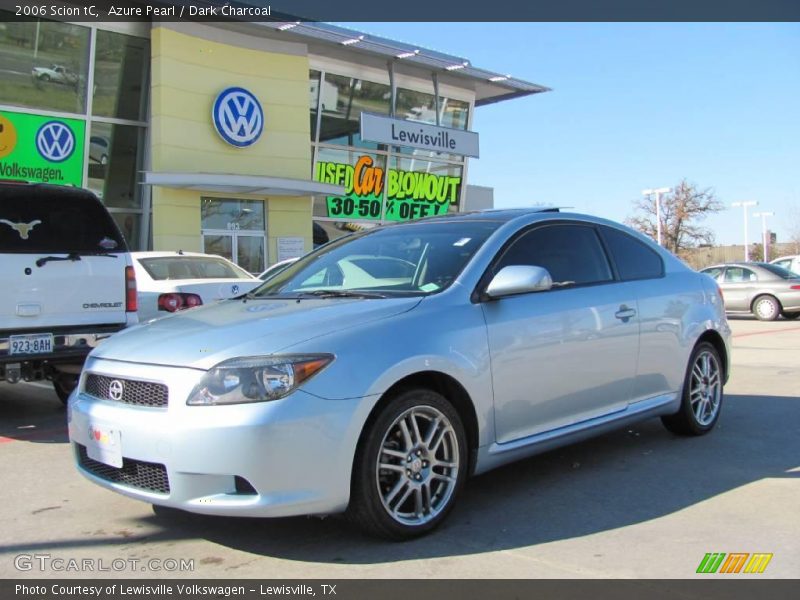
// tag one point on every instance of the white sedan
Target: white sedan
(171, 281)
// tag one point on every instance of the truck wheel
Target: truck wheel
(63, 386)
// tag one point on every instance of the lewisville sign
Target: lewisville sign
(400, 132)
(409, 194)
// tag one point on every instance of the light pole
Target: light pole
(744, 206)
(764, 237)
(658, 193)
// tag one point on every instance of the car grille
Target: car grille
(134, 473)
(140, 393)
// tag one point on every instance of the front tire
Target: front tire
(766, 308)
(701, 400)
(410, 466)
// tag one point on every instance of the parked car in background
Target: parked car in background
(273, 270)
(98, 149)
(68, 282)
(320, 236)
(466, 342)
(763, 289)
(790, 263)
(173, 281)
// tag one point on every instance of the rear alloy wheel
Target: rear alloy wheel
(791, 316)
(702, 394)
(410, 467)
(766, 308)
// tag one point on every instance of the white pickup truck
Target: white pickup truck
(55, 74)
(67, 282)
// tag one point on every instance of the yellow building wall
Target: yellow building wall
(187, 74)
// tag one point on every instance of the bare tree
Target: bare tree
(681, 212)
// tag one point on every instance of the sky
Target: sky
(635, 106)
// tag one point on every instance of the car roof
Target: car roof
(492, 214)
(173, 254)
(747, 265)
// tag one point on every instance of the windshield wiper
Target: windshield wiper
(342, 294)
(72, 256)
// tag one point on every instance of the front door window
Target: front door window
(236, 230)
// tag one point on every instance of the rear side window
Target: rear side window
(52, 220)
(739, 275)
(572, 254)
(634, 260)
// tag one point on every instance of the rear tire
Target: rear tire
(701, 399)
(766, 308)
(410, 466)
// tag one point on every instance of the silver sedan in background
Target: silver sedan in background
(375, 374)
(763, 289)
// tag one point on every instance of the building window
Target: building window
(45, 64)
(313, 100)
(342, 100)
(120, 72)
(453, 113)
(114, 161)
(415, 106)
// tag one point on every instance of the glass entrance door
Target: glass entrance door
(236, 230)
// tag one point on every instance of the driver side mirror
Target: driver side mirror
(518, 279)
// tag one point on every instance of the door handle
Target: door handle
(624, 313)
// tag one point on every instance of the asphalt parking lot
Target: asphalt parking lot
(634, 503)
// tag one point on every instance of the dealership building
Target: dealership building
(230, 137)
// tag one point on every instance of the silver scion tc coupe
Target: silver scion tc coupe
(377, 373)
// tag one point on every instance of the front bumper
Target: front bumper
(296, 453)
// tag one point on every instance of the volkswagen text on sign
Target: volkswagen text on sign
(398, 132)
(238, 117)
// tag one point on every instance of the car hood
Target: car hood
(205, 336)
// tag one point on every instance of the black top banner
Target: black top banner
(404, 11)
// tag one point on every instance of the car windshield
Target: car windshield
(781, 272)
(417, 259)
(191, 267)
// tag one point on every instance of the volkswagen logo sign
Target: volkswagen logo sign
(238, 117)
(115, 389)
(55, 141)
(234, 289)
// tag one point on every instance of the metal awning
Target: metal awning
(227, 183)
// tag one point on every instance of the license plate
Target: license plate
(105, 445)
(38, 343)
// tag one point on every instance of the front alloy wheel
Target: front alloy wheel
(410, 468)
(702, 394)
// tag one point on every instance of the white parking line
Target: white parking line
(38, 384)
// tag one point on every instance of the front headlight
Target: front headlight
(256, 378)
